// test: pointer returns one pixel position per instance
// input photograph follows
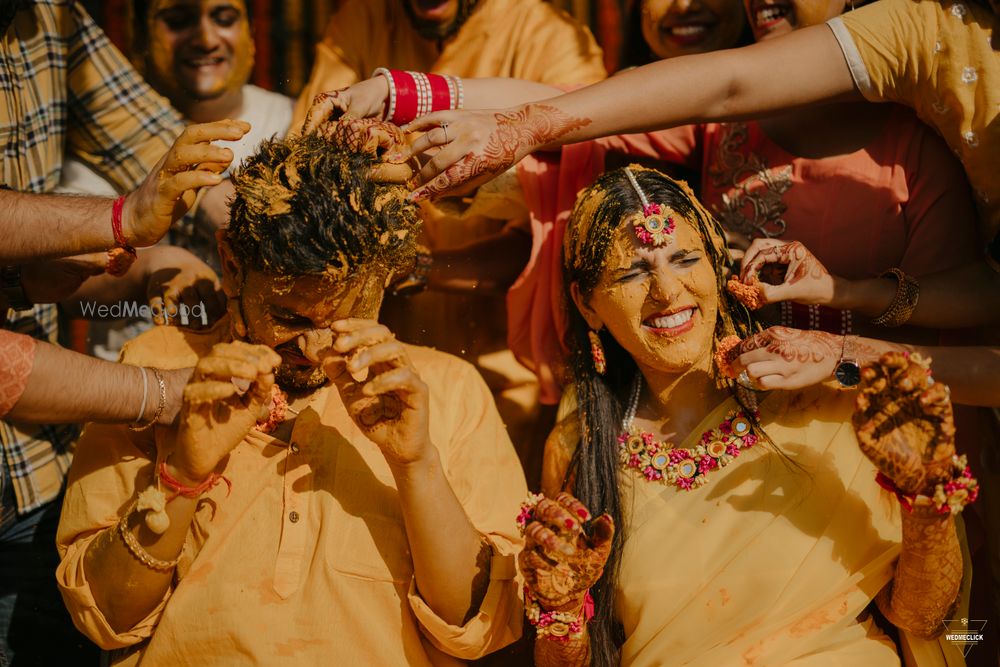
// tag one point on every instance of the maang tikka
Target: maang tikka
(655, 225)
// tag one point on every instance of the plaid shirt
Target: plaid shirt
(65, 87)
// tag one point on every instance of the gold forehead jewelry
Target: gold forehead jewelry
(655, 225)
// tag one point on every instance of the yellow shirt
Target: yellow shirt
(772, 561)
(306, 562)
(522, 39)
(936, 56)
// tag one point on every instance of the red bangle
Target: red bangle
(440, 93)
(406, 97)
(180, 489)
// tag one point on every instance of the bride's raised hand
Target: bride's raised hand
(904, 423)
(561, 561)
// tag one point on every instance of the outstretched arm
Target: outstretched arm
(113, 392)
(37, 226)
(803, 68)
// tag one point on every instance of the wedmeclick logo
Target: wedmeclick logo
(964, 632)
(182, 313)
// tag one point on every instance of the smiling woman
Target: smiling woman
(765, 524)
(671, 28)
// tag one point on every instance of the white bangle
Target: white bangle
(145, 395)
(391, 109)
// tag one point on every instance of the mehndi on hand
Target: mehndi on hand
(377, 138)
(903, 420)
(560, 561)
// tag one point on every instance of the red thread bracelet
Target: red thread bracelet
(905, 499)
(116, 225)
(180, 489)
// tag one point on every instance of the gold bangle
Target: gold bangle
(160, 406)
(903, 303)
(140, 554)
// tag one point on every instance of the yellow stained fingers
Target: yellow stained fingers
(220, 130)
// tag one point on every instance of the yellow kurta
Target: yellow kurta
(520, 39)
(306, 562)
(766, 564)
(523, 39)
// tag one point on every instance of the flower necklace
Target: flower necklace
(684, 468)
(277, 411)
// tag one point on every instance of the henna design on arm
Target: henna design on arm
(515, 135)
(928, 575)
(560, 563)
(571, 653)
(795, 345)
(905, 426)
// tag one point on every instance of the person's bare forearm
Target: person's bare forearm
(928, 574)
(967, 296)
(68, 387)
(37, 227)
(108, 289)
(971, 373)
(489, 265)
(716, 86)
(450, 559)
(499, 92)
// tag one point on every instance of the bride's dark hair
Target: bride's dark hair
(601, 399)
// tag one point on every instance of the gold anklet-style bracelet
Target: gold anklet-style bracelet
(140, 554)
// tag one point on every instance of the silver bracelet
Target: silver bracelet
(145, 395)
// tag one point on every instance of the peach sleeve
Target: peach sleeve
(17, 357)
(100, 486)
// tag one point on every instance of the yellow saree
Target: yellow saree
(773, 561)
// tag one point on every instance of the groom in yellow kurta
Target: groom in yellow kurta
(523, 39)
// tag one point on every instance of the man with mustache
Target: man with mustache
(330, 495)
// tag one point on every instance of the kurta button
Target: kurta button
(295, 448)
(293, 516)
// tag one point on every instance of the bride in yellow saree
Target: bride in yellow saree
(731, 532)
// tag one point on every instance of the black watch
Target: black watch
(12, 289)
(848, 372)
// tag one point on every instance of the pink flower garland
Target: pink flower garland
(686, 468)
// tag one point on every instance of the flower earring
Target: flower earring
(597, 352)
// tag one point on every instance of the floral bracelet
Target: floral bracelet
(527, 513)
(949, 497)
(560, 626)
